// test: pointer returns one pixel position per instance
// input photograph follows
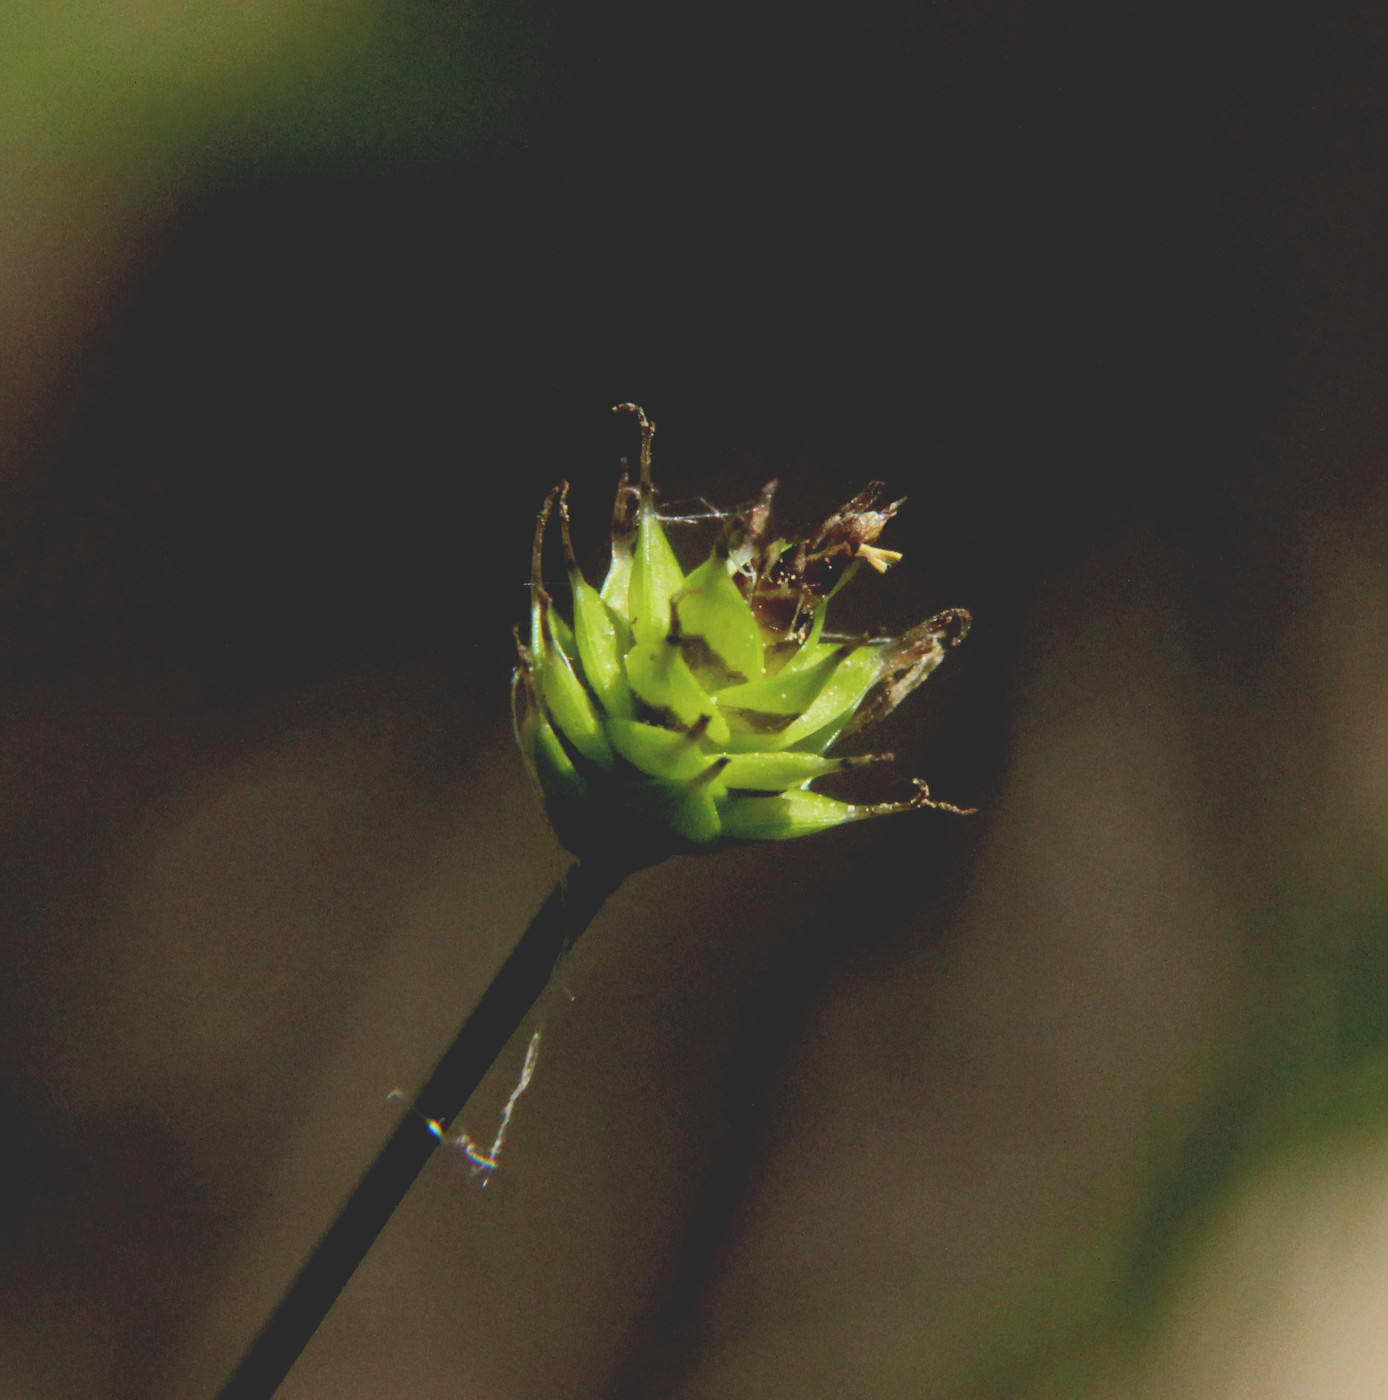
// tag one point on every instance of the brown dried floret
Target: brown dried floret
(787, 581)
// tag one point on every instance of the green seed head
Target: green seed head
(683, 713)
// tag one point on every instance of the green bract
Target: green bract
(682, 713)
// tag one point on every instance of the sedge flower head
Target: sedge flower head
(679, 713)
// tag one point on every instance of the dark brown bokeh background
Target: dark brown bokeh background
(306, 308)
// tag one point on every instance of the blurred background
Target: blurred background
(304, 307)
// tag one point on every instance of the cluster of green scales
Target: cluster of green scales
(684, 712)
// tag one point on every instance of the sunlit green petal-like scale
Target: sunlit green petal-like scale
(710, 607)
(660, 676)
(655, 578)
(602, 648)
(572, 708)
(659, 752)
(779, 818)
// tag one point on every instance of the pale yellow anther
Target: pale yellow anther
(880, 559)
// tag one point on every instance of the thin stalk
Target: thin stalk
(562, 918)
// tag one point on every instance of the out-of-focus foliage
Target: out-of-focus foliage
(288, 84)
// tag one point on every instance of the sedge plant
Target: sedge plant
(661, 713)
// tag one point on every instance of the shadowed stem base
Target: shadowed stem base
(561, 920)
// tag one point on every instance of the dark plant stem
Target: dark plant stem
(561, 920)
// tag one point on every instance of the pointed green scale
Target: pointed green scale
(662, 753)
(616, 585)
(660, 676)
(694, 815)
(690, 810)
(824, 738)
(788, 692)
(758, 739)
(655, 577)
(623, 630)
(780, 818)
(569, 703)
(563, 634)
(549, 763)
(712, 607)
(821, 723)
(624, 512)
(836, 704)
(775, 772)
(811, 655)
(600, 648)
